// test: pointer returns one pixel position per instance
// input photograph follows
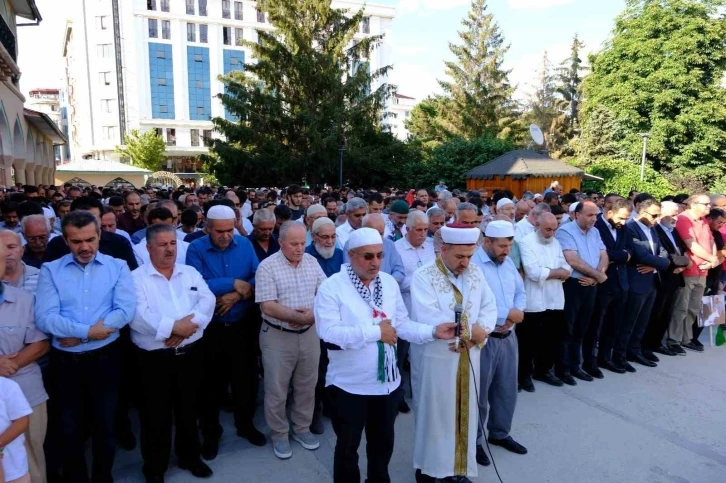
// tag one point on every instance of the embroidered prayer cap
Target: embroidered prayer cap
(503, 202)
(363, 237)
(499, 229)
(220, 212)
(573, 206)
(313, 209)
(400, 207)
(321, 222)
(459, 234)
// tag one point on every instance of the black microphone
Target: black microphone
(458, 309)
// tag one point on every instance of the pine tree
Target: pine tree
(543, 103)
(479, 88)
(309, 91)
(569, 80)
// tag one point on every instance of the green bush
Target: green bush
(621, 176)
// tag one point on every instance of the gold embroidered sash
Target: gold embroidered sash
(462, 385)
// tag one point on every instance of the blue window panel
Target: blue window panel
(233, 60)
(199, 97)
(161, 67)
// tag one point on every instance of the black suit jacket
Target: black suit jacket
(110, 244)
(667, 276)
(641, 283)
(618, 253)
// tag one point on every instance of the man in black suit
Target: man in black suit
(671, 279)
(611, 295)
(643, 279)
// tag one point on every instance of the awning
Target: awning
(45, 125)
(591, 177)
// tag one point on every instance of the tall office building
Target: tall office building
(154, 64)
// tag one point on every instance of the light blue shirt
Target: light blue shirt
(587, 245)
(71, 298)
(505, 282)
(392, 263)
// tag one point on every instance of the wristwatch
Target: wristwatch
(433, 334)
(84, 341)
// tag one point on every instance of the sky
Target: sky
(422, 31)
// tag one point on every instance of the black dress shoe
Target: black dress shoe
(677, 349)
(197, 468)
(210, 448)
(611, 366)
(481, 456)
(456, 479)
(642, 360)
(548, 378)
(582, 375)
(527, 384)
(403, 407)
(126, 439)
(421, 478)
(624, 364)
(154, 479)
(650, 356)
(509, 444)
(665, 351)
(697, 343)
(693, 347)
(252, 435)
(594, 371)
(567, 379)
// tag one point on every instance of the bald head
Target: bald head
(546, 226)
(375, 221)
(523, 210)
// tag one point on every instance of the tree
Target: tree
(569, 86)
(620, 176)
(661, 73)
(146, 150)
(602, 137)
(426, 123)
(309, 92)
(479, 89)
(542, 106)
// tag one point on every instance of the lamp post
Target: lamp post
(642, 162)
(341, 150)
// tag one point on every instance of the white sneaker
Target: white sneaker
(282, 448)
(307, 440)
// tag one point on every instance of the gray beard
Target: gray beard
(543, 240)
(326, 253)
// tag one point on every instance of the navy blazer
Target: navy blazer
(641, 283)
(618, 253)
(668, 276)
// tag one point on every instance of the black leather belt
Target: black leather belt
(180, 351)
(283, 329)
(500, 335)
(332, 347)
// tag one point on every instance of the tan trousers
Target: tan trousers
(287, 358)
(685, 310)
(34, 439)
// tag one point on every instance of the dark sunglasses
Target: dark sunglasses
(370, 256)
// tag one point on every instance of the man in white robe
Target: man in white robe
(444, 377)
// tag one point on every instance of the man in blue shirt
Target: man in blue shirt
(498, 374)
(83, 300)
(392, 263)
(585, 252)
(228, 263)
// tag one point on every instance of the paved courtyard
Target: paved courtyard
(661, 425)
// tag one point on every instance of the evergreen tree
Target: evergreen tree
(426, 123)
(543, 104)
(146, 150)
(479, 89)
(309, 91)
(569, 86)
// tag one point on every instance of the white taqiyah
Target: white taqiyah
(499, 229)
(363, 237)
(504, 201)
(459, 236)
(220, 212)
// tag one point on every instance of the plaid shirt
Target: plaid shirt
(294, 287)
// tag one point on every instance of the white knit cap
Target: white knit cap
(313, 209)
(573, 206)
(459, 236)
(320, 222)
(220, 212)
(499, 229)
(48, 212)
(363, 237)
(504, 201)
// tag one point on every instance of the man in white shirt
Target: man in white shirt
(527, 225)
(174, 306)
(545, 269)
(155, 217)
(359, 314)
(355, 210)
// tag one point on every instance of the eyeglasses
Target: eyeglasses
(653, 216)
(326, 237)
(700, 203)
(370, 256)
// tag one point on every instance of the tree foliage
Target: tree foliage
(543, 105)
(620, 176)
(661, 73)
(309, 91)
(145, 150)
(601, 137)
(569, 78)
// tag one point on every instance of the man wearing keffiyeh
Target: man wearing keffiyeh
(359, 315)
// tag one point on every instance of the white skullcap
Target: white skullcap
(363, 237)
(573, 206)
(220, 212)
(504, 201)
(538, 195)
(459, 236)
(321, 222)
(313, 209)
(182, 198)
(499, 229)
(48, 212)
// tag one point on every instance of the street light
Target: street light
(341, 150)
(642, 162)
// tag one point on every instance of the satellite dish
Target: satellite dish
(536, 133)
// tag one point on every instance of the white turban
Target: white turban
(220, 212)
(363, 237)
(459, 236)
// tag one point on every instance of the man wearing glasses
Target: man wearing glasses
(701, 249)
(37, 233)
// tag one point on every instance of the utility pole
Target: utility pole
(645, 148)
(341, 150)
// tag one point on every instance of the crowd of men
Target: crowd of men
(182, 302)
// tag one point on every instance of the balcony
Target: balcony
(8, 54)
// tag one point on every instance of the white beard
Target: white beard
(543, 240)
(326, 253)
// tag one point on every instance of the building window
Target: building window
(365, 25)
(198, 58)
(163, 108)
(207, 137)
(161, 81)
(238, 11)
(203, 33)
(103, 50)
(150, 4)
(260, 16)
(190, 7)
(191, 32)
(106, 105)
(165, 29)
(170, 136)
(104, 78)
(238, 37)
(153, 28)
(160, 54)
(109, 132)
(164, 5)
(227, 35)
(102, 23)
(200, 110)
(225, 8)
(203, 8)
(159, 131)
(195, 136)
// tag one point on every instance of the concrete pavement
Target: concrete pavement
(660, 425)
